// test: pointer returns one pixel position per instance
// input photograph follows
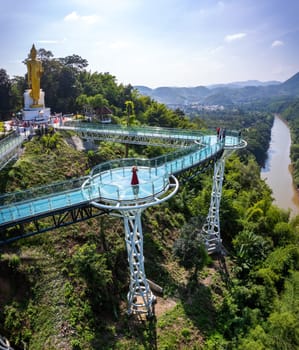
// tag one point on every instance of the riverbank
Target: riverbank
(277, 171)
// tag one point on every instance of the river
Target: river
(277, 170)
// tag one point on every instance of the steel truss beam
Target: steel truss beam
(140, 297)
(187, 174)
(211, 228)
(133, 139)
(15, 231)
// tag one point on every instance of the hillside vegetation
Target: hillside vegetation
(67, 289)
(291, 114)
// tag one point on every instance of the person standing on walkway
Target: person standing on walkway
(135, 181)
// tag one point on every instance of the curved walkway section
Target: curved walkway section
(110, 183)
(135, 135)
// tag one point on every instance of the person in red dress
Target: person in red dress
(134, 180)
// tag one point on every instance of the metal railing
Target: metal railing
(42, 191)
(51, 197)
(184, 134)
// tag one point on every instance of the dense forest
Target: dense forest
(291, 115)
(66, 289)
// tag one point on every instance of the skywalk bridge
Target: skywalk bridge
(10, 148)
(107, 190)
(154, 136)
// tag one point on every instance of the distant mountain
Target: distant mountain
(175, 95)
(239, 84)
(223, 94)
(291, 85)
(143, 90)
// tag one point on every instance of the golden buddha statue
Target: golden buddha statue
(35, 70)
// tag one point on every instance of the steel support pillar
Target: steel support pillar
(211, 228)
(140, 297)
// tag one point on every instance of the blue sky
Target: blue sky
(158, 42)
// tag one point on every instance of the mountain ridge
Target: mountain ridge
(225, 94)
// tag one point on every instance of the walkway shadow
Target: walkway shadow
(198, 305)
(223, 270)
(154, 265)
(198, 300)
(144, 330)
(140, 331)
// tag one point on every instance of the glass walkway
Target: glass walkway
(110, 182)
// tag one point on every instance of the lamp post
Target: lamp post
(41, 115)
(19, 115)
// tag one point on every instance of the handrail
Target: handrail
(8, 137)
(39, 192)
(42, 191)
(19, 205)
(144, 129)
(111, 192)
(169, 132)
(10, 141)
(150, 163)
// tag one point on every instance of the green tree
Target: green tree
(90, 265)
(75, 62)
(82, 103)
(284, 331)
(283, 234)
(157, 115)
(250, 250)
(130, 112)
(190, 249)
(5, 89)
(18, 86)
(97, 102)
(67, 90)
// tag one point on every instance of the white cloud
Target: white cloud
(212, 10)
(71, 16)
(49, 41)
(74, 17)
(107, 5)
(119, 45)
(215, 50)
(277, 43)
(233, 37)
